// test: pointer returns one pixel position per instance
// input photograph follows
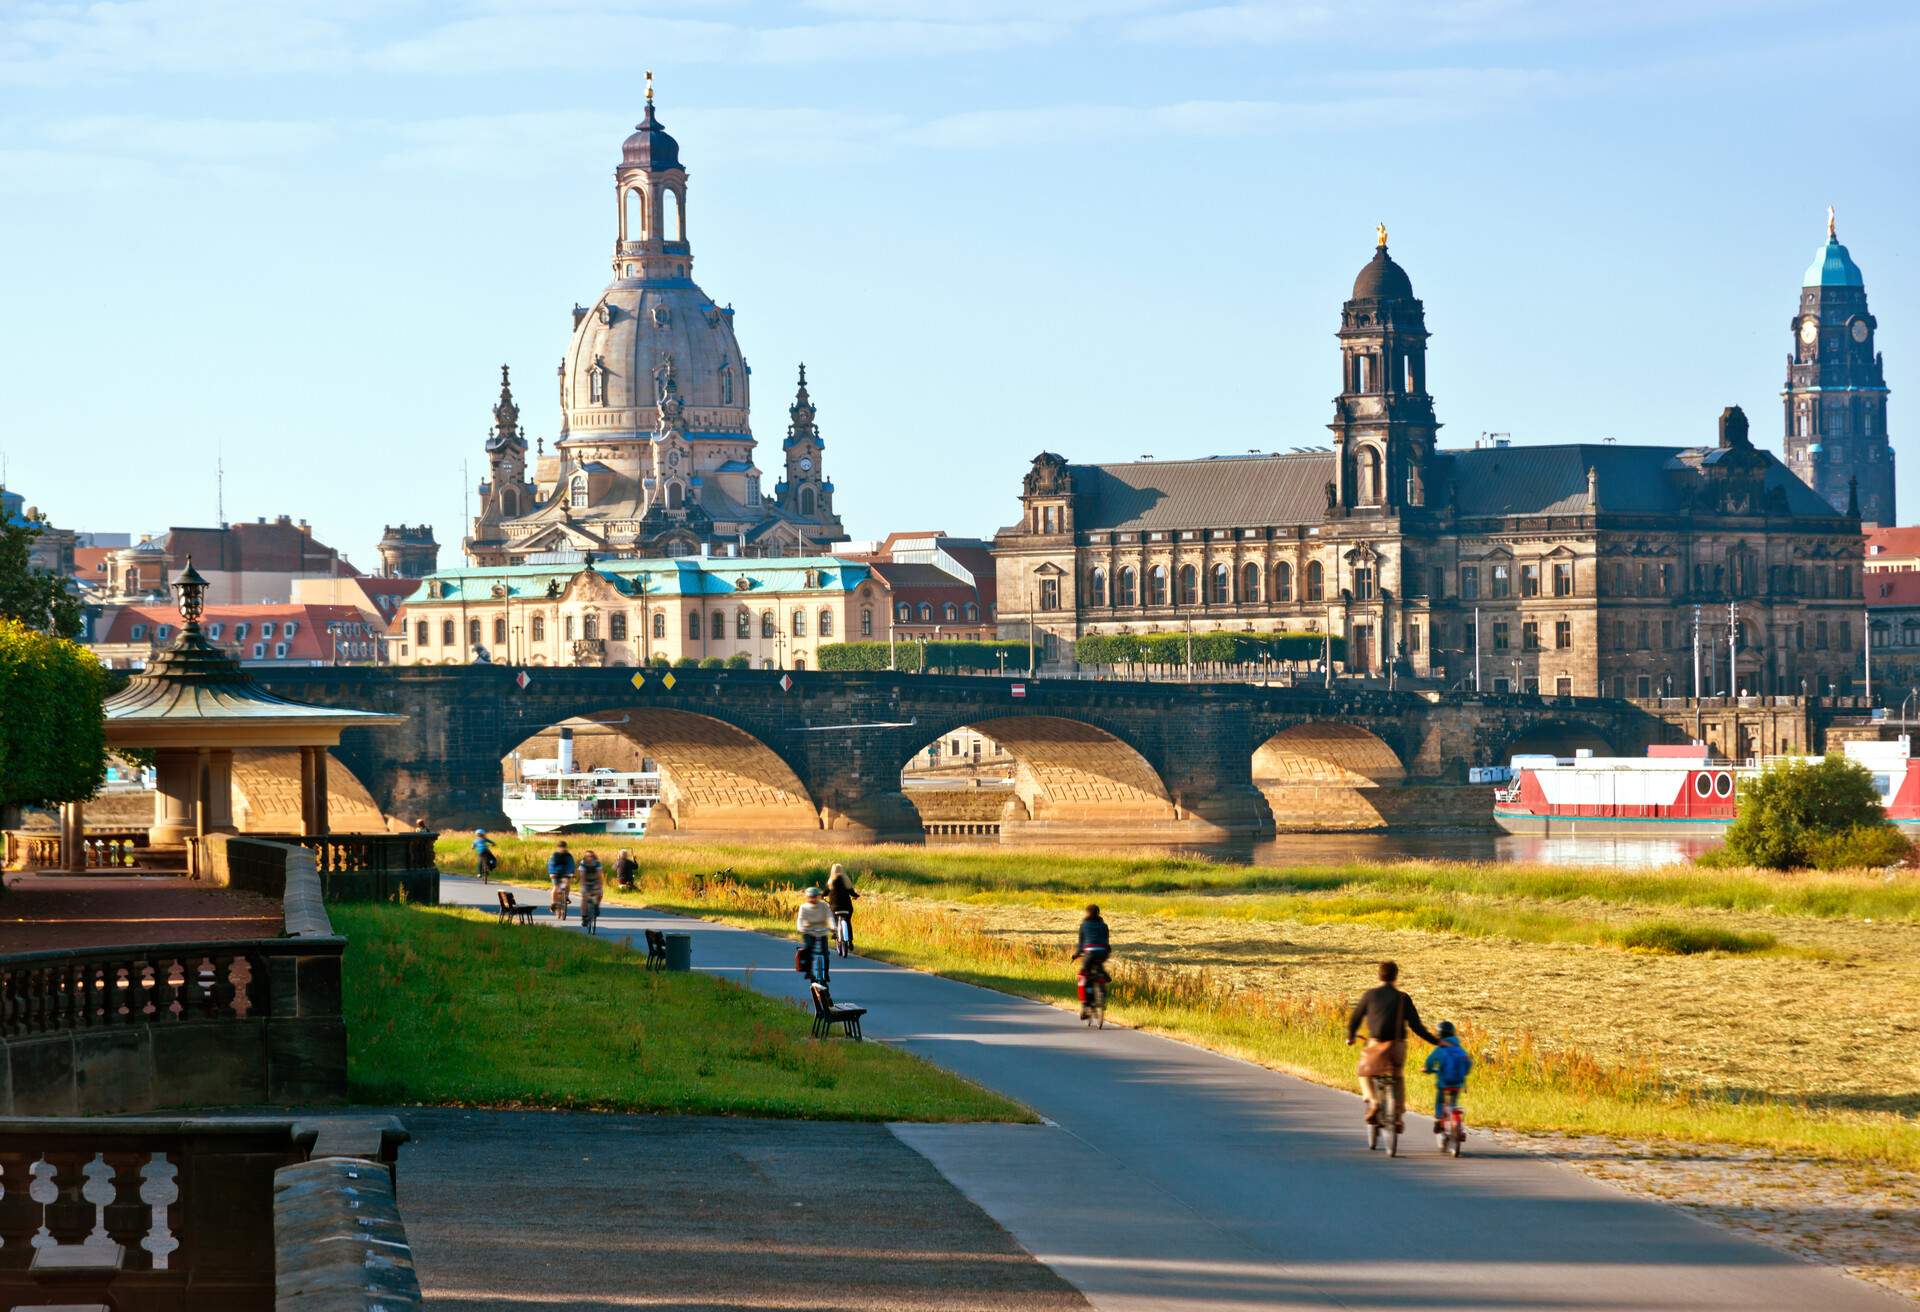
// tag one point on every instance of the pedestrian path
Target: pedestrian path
(1173, 1177)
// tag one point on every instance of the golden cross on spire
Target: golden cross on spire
(1830, 234)
(649, 86)
(1380, 234)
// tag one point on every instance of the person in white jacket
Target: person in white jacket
(814, 920)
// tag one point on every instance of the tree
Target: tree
(1823, 813)
(53, 742)
(37, 598)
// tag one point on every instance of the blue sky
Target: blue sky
(306, 235)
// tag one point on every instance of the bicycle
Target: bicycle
(843, 933)
(1093, 1011)
(1453, 1123)
(560, 898)
(589, 913)
(1386, 1099)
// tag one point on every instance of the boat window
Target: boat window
(1703, 785)
(1723, 785)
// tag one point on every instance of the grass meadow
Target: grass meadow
(450, 1007)
(1738, 1007)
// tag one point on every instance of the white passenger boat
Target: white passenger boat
(551, 797)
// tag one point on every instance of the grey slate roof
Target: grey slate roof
(1224, 491)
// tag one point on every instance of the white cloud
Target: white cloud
(209, 140)
(49, 42)
(1393, 24)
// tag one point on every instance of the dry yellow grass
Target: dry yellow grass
(1798, 1026)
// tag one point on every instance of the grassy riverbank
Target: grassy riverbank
(1693, 1005)
(447, 1006)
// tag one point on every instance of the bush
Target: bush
(53, 740)
(739, 661)
(1796, 814)
(659, 662)
(687, 663)
(947, 655)
(1216, 648)
(1685, 940)
(1864, 846)
(712, 663)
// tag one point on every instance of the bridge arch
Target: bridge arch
(1329, 774)
(1066, 779)
(266, 795)
(1554, 737)
(716, 778)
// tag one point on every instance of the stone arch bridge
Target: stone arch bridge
(743, 755)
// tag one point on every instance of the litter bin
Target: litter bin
(679, 951)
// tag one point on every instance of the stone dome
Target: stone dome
(650, 147)
(620, 344)
(1382, 279)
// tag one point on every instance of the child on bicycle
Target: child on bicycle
(1448, 1064)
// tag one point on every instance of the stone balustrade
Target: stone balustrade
(105, 849)
(350, 867)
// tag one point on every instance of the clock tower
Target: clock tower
(1836, 394)
(805, 492)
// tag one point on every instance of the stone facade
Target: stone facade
(771, 614)
(408, 551)
(1835, 402)
(656, 456)
(1562, 569)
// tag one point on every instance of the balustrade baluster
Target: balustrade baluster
(128, 1217)
(165, 996)
(224, 990)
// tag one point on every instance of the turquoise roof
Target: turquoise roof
(676, 576)
(1833, 267)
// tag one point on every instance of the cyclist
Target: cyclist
(560, 873)
(592, 888)
(1448, 1064)
(813, 922)
(1388, 1014)
(840, 896)
(1094, 948)
(484, 860)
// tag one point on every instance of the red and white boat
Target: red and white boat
(1671, 791)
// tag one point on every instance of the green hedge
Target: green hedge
(945, 655)
(1216, 648)
(53, 742)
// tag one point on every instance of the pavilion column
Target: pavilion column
(320, 823)
(175, 796)
(307, 816)
(73, 837)
(220, 792)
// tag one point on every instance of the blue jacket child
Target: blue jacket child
(1448, 1064)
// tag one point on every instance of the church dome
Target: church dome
(1833, 267)
(620, 345)
(650, 147)
(1382, 279)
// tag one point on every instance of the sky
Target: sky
(298, 240)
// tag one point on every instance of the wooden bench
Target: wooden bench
(510, 909)
(827, 1013)
(656, 949)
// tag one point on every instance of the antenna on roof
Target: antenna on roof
(1146, 455)
(220, 481)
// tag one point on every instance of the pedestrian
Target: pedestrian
(1388, 1013)
(812, 922)
(840, 896)
(560, 873)
(592, 888)
(420, 826)
(624, 869)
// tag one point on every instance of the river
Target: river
(1465, 845)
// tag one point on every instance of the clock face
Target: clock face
(1859, 330)
(1809, 330)
(673, 459)
(806, 464)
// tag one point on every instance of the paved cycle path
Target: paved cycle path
(1177, 1178)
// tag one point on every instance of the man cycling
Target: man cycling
(1094, 948)
(1388, 1014)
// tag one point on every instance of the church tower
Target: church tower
(805, 492)
(1836, 394)
(1383, 424)
(507, 493)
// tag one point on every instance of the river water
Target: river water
(1464, 845)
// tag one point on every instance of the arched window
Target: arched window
(673, 222)
(1249, 582)
(826, 622)
(726, 384)
(473, 633)
(1126, 587)
(1189, 585)
(577, 490)
(617, 626)
(1367, 475)
(446, 633)
(590, 626)
(799, 662)
(499, 633)
(660, 624)
(1316, 581)
(676, 496)
(717, 625)
(766, 624)
(799, 624)
(1222, 593)
(1157, 586)
(903, 613)
(1097, 587)
(539, 628)
(973, 611)
(743, 624)
(949, 612)
(693, 625)
(866, 621)
(806, 501)
(633, 215)
(566, 627)
(926, 613)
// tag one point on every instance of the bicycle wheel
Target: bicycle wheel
(1456, 1136)
(1393, 1123)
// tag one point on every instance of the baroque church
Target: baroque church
(1571, 569)
(655, 455)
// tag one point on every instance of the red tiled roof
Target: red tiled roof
(1893, 542)
(313, 639)
(1892, 588)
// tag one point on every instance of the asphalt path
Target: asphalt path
(1173, 1177)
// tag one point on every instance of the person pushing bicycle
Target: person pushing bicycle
(1388, 1014)
(1095, 946)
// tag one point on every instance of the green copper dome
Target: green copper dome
(1833, 267)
